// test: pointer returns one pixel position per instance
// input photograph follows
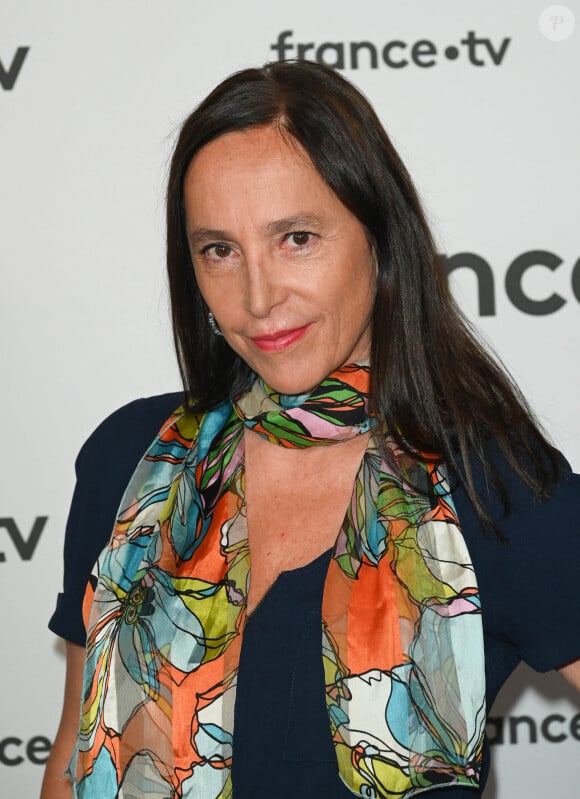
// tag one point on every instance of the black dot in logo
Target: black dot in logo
(451, 52)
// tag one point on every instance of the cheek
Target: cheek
(212, 289)
(360, 288)
(222, 297)
(198, 275)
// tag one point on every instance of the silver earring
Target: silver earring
(213, 325)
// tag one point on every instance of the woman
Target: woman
(392, 571)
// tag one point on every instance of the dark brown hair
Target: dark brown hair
(434, 386)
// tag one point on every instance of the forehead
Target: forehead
(256, 169)
(249, 148)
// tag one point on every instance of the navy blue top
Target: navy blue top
(530, 608)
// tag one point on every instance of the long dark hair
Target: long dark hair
(434, 386)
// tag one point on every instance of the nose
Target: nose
(263, 288)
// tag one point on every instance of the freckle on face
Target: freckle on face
(241, 185)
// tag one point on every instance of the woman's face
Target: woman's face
(283, 265)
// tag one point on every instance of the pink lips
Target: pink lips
(280, 340)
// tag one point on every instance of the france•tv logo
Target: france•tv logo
(395, 54)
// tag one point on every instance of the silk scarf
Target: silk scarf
(401, 632)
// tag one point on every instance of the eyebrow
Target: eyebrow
(295, 222)
(300, 221)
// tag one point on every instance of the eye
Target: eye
(216, 252)
(299, 239)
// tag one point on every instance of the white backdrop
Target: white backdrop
(87, 117)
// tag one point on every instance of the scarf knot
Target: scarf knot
(336, 410)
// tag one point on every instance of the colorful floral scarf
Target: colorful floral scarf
(401, 633)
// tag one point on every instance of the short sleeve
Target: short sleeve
(543, 615)
(103, 469)
(529, 583)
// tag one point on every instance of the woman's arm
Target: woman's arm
(571, 671)
(55, 784)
